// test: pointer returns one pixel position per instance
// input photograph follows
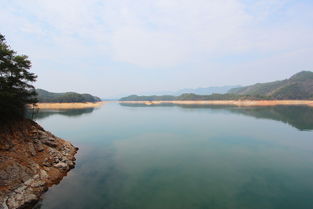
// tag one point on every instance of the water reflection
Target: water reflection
(300, 117)
(184, 157)
(44, 113)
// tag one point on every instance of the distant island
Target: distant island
(44, 96)
(297, 87)
(67, 100)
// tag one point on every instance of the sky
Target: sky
(113, 48)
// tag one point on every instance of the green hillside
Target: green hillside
(148, 98)
(195, 97)
(298, 86)
(45, 96)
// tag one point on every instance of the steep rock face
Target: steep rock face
(31, 160)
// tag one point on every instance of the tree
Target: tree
(16, 90)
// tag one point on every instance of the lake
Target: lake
(185, 157)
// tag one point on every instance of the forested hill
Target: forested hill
(298, 86)
(191, 97)
(49, 97)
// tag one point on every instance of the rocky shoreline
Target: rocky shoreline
(31, 160)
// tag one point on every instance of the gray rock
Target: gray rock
(31, 149)
(23, 178)
(4, 177)
(61, 165)
(49, 143)
(37, 184)
(14, 173)
(36, 177)
(30, 198)
(43, 174)
(71, 164)
(38, 146)
(15, 201)
(20, 189)
(3, 205)
(28, 182)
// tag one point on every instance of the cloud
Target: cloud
(182, 36)
(151, 33)
(168, 34)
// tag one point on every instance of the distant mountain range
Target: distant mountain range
(198, 91)
(50, 97)
(299, 86)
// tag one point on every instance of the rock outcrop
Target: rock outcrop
(31, 160)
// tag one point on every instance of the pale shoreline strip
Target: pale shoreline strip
(68, 105)
(227, 102)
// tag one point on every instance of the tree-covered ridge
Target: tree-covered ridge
(298, 86)
(148, 98)
(49, 97)
(188, 97)
(15, 83)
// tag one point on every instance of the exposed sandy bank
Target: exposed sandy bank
(69, 105)
(228, 102)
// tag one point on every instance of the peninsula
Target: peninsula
(66, 100)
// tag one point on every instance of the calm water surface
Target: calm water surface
(185, 157)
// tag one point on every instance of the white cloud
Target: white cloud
(170, 33)
(158, 34)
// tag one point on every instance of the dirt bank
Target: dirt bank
(228, 102)
(68, 105)
(31, 160)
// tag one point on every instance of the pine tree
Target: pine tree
(16, 90)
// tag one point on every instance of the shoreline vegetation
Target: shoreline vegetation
(70, 105)
(227, 102)
(31, 158)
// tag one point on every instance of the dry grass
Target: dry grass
(69, 105)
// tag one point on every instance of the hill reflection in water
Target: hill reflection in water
(300, 117)
(65, 112)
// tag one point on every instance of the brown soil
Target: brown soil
(31, 160)
(68, 105)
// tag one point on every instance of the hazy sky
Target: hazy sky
(118, 47)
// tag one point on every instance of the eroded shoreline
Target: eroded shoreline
(227, 102)
(31, 161)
